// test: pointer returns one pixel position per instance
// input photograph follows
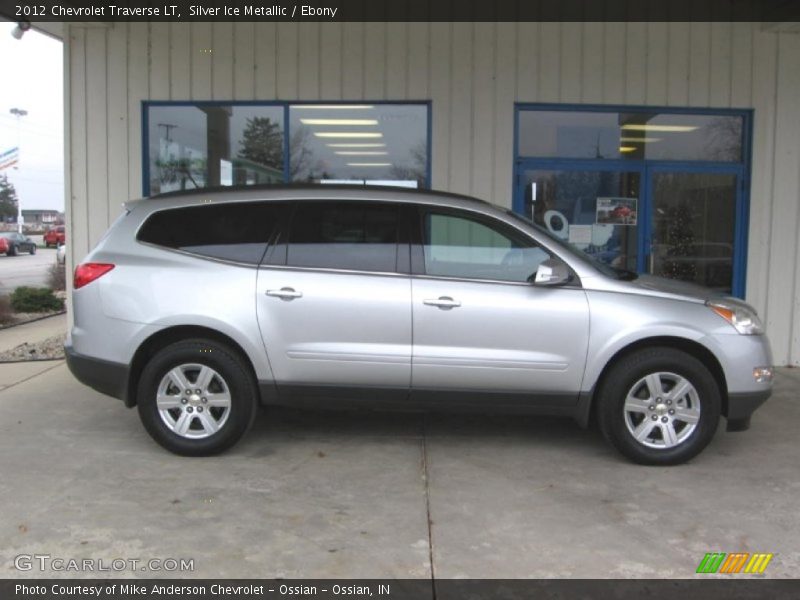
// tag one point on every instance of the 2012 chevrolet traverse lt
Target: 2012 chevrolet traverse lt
(199, 307)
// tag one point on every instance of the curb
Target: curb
(4, 327)
(31, 360)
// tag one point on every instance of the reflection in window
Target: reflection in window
(630, 135)
(209, 144)
(198, 146)
(383, 144)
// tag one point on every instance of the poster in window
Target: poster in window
(617, 211)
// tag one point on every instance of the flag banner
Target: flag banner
(9, 158)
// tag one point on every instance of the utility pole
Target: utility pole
(18, 114)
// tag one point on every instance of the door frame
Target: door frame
(742, 170)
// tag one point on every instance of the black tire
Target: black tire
(33, 249)
(234, 373)
(12, 251)
(626, 376)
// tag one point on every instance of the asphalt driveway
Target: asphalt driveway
(25, 269)
(319, 494)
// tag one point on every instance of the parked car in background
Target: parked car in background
(197, 307)
(55, 236)
(18, 243)
(3, 245)
(61, 254)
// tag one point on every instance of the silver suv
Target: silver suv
(198, 307)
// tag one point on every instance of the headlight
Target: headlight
(744, 319)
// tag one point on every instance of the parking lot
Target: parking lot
(346, 494)
(25, 269)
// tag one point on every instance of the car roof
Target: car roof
(245, 193)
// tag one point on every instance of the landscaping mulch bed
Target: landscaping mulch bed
(50, 349)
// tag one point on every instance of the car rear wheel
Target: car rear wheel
(659, 406)
(12, 250)
(33, 249)
(196, 398)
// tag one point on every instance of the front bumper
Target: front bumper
(106, 377)
(741, 406)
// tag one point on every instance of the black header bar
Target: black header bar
(732, 588)
(400, 10)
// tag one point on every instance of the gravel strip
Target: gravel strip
(51, 348)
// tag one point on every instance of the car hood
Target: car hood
(652, 285)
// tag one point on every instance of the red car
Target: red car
(55, 236)
(3, 245)
(621, 212)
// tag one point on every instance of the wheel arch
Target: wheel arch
(148, 348)
(690, 347)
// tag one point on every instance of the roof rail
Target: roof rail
(311, 186)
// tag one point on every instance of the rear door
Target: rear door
(334, 302)
(480, 326)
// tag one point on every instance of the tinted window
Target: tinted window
(358, 236)
(238, 232)
(460, 246)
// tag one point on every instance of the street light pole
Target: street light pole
(18, 113)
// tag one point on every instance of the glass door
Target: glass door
(692, 226)
(597, 210)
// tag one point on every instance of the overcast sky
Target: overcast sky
(31, 72)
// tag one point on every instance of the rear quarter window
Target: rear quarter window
(237, 232)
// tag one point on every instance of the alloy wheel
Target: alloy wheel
(662, 410)
(193, 401)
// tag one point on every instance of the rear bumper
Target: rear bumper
(106, 377)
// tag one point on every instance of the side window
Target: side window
(467, 248)
(359, 236)
(236, 231)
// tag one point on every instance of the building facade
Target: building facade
(671, 148)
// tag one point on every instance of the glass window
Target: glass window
(462, 247)
(693, 228)
(634, 135)
(238, 232)
(382, 144)
(212, 145)
(356, 236)
(597, 211)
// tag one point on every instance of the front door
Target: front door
(479, 325)
(692, 226)
(598, 210)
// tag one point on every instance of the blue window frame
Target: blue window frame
(190, 145)
(699, 174)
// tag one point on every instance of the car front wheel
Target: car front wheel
(33, 249)
(659, 406)
(196, 398)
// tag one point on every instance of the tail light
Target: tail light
(88, 272)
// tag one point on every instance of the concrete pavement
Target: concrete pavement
(32, 332)
(318, 494)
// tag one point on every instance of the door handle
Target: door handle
(443, 302)
(285, 293)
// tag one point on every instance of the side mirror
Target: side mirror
(551, 272)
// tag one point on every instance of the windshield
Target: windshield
(605, 269)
